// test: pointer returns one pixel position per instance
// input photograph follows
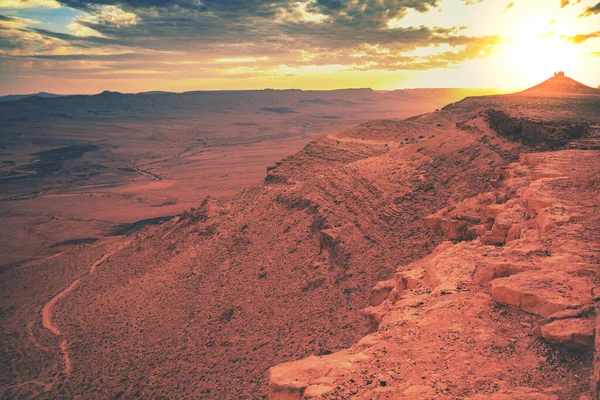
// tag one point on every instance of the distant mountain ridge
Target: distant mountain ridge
(15, 97)
(110, 104)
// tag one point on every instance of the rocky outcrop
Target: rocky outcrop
(463, 322)
(309, 378)
(542, 293)
(382, 291)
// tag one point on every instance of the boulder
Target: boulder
(585, 311)
(456, 222)
(542, 293)
(515, 395)
(575, 333)
(294, 380)
(454, 265)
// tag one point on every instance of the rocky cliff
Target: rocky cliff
(505, 307)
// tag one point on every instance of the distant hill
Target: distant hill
(15, 97)
(561, 84)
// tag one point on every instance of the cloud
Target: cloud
(29, 4)
(591, 11)
(18, 37)
(338, 11)
(111, 15)
(578, 39)
(199, 39)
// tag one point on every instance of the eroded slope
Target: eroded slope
(277, 273)
(477, 318)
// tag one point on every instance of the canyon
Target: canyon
(450, 254)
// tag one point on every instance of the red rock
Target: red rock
(486, 272)
(514, 233)
(571, 313)
(375, 315)
(381, 291)
(493, 210)
(542, 293)
(515, 396)
(314, 391)
(290, 381)
(503, 223)
(575, 333)
(535, 200)
(411, 279)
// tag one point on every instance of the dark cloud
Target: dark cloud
(368, 12)
(239, 8)
(359, 13)
(275, 33)
(591, 11)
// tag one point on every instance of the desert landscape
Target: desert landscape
(451, 254)
(77, 169)
(300, 199)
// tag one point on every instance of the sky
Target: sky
(80, 46)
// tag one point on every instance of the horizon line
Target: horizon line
(499, 90)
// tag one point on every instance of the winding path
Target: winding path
(49, 306)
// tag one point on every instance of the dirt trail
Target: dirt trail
(148, 174)
(49, 306)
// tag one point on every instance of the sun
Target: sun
(535, 50)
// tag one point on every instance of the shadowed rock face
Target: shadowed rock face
(551, 135)
(439, 207)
